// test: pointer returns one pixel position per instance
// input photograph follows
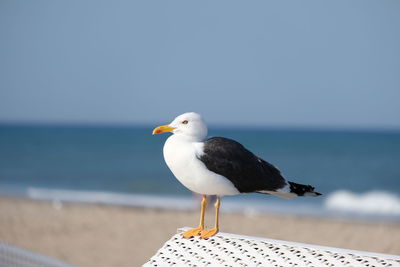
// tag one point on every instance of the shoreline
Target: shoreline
(107, 235)
(340, 204)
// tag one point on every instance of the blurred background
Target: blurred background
(312, 87)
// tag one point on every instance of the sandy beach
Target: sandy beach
(99, 235)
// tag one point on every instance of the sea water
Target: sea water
(358, 172)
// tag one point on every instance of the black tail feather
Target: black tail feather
(303, 190)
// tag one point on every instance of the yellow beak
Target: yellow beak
(163, 129)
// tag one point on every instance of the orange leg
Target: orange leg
(213, 231)
(196, 231)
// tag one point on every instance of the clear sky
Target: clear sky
(265, 63)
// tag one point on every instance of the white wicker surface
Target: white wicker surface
(11, 256)
(236, 250)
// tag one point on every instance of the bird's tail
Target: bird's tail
(303, 190)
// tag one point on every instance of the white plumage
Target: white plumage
(219, 166)
(180, 154)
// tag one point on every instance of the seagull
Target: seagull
(219, 166)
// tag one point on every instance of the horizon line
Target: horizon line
(241, 126)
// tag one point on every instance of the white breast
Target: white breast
(180, 156)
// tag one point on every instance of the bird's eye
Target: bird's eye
(185, 122)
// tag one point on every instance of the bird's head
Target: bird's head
(189, 125)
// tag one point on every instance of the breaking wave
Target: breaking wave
(371, 205)
(99, 197)
(372, 202)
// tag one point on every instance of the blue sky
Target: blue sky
(264, 63)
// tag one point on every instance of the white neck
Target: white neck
(186, 138)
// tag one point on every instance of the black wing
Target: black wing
(245, 170)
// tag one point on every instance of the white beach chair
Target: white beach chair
(11, 256)
(238, 250)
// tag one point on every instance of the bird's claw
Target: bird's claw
(192, 232)
(208, 233)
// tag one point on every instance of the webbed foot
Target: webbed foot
(192, 232)
(208, 233)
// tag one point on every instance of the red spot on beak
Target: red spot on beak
(163, 129)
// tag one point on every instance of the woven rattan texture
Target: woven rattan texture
(11, 256)
(225, 250)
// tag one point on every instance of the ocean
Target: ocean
(358, 172)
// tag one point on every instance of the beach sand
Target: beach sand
(99, 235)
